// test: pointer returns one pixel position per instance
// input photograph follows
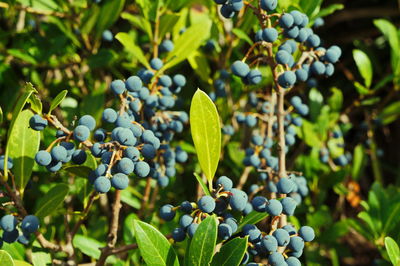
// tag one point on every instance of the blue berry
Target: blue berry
(8, 223)
(225, 182)
(240, 69)
(126, 166)
(142, 169)
(166, 46)
(287, 79)
(81, 133)
(282, 237)
(163, 181)
(318, 68)
(206, 204)
(30, 224)
(286, 21)
(54, 166)
(313, 41)
(238, 199)
(37, 123)
(10, 237)
(110, 115)
(307, 233)
(254, 77)
(220, 2)
(227, 11)
(293, 261)
(179, 80)
(23, 239)
(167, 212)
(224, 231)
(107, 36)
(186, 206)
(156, 63)
(270, 34)
(274, 207)
(232, 223)
(59, 153)
(43, 158)
(276, 259)
(120, 181)
(102, 184)
(178, 234)
(79, 156)
(301, 74)
(100, 135)
(270, 243)
(282, 57)
(268, 5)
(285, 185)
(259, 203)
(117, 86)
(329, 69)
(88, 121)
(133, 84)
(296, 243)
(251, 120)
(237, 5)
(297, 17)
(185, 221)
(192, 229)
(289, 205)
(165, 81)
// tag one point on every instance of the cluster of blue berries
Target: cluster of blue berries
(226, 202)
(133, 140)
(14, 231)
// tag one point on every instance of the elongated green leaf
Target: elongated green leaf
(56, 102)
(231, 253)
(52, 200)
(242, 35)
(127, 41)
(41, 258)
(5, 258)
(201, 248)
(167, 23)
(128, 233)
(206, 132)
(88, 246)
(200, 64)
(36, 104)
(364, 66)
(203, 186)
(21, 263)
(330, 9)
(139, 22)
(22, 55)
(252, 218)
(309, 135)
(187, 43)
(359, 158)
(28, 90)
(336, 100)
(1, 115)
(390, 113)
(78, 170)
(109, 13)
(154, 247)
(392, 250)
(23, 144)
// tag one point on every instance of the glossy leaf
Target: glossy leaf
(127, 41)
(187, 43)
(21, 263)
(201, 183)
(231, 253)
(41, 258)
(330, 10)
(36, 104)
(206, 132)
(23, 144)
(52, 200)
(364, 66)
(57, 100)
(358, 161)
(88, 246)
(28, 90)
(202, 246)
(139, 22)
(252, 218)
(167, 23)
(6, 259)
(392, 250)
(336, 100)
(154, 246)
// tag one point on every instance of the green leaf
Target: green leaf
(167, 23)
(390, 113)
(6, 259)
(56, 102)
(310, 6)
(242, 35)
(252, 218)
(390, 32)
(88, 246)
(1, 115)
(187, 43)
(364, 66)
(28, 90)
(36, 104)
(202, 246)
(22, 55)
(21, 263)
(231, 253)
(336, 100)
(309, 135)
(206, 133)
(392, 250)
(139, 22)
(154, 247)
(128, 42)
(203, 186)
(359, 160)
(52, 200)
(41, 258)
(23, 144)
(200, 65)
(360, 88)
(109, 13)
(128, 233)
(330, 10)
(78, 170)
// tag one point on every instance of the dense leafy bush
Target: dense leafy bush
(218, 132)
